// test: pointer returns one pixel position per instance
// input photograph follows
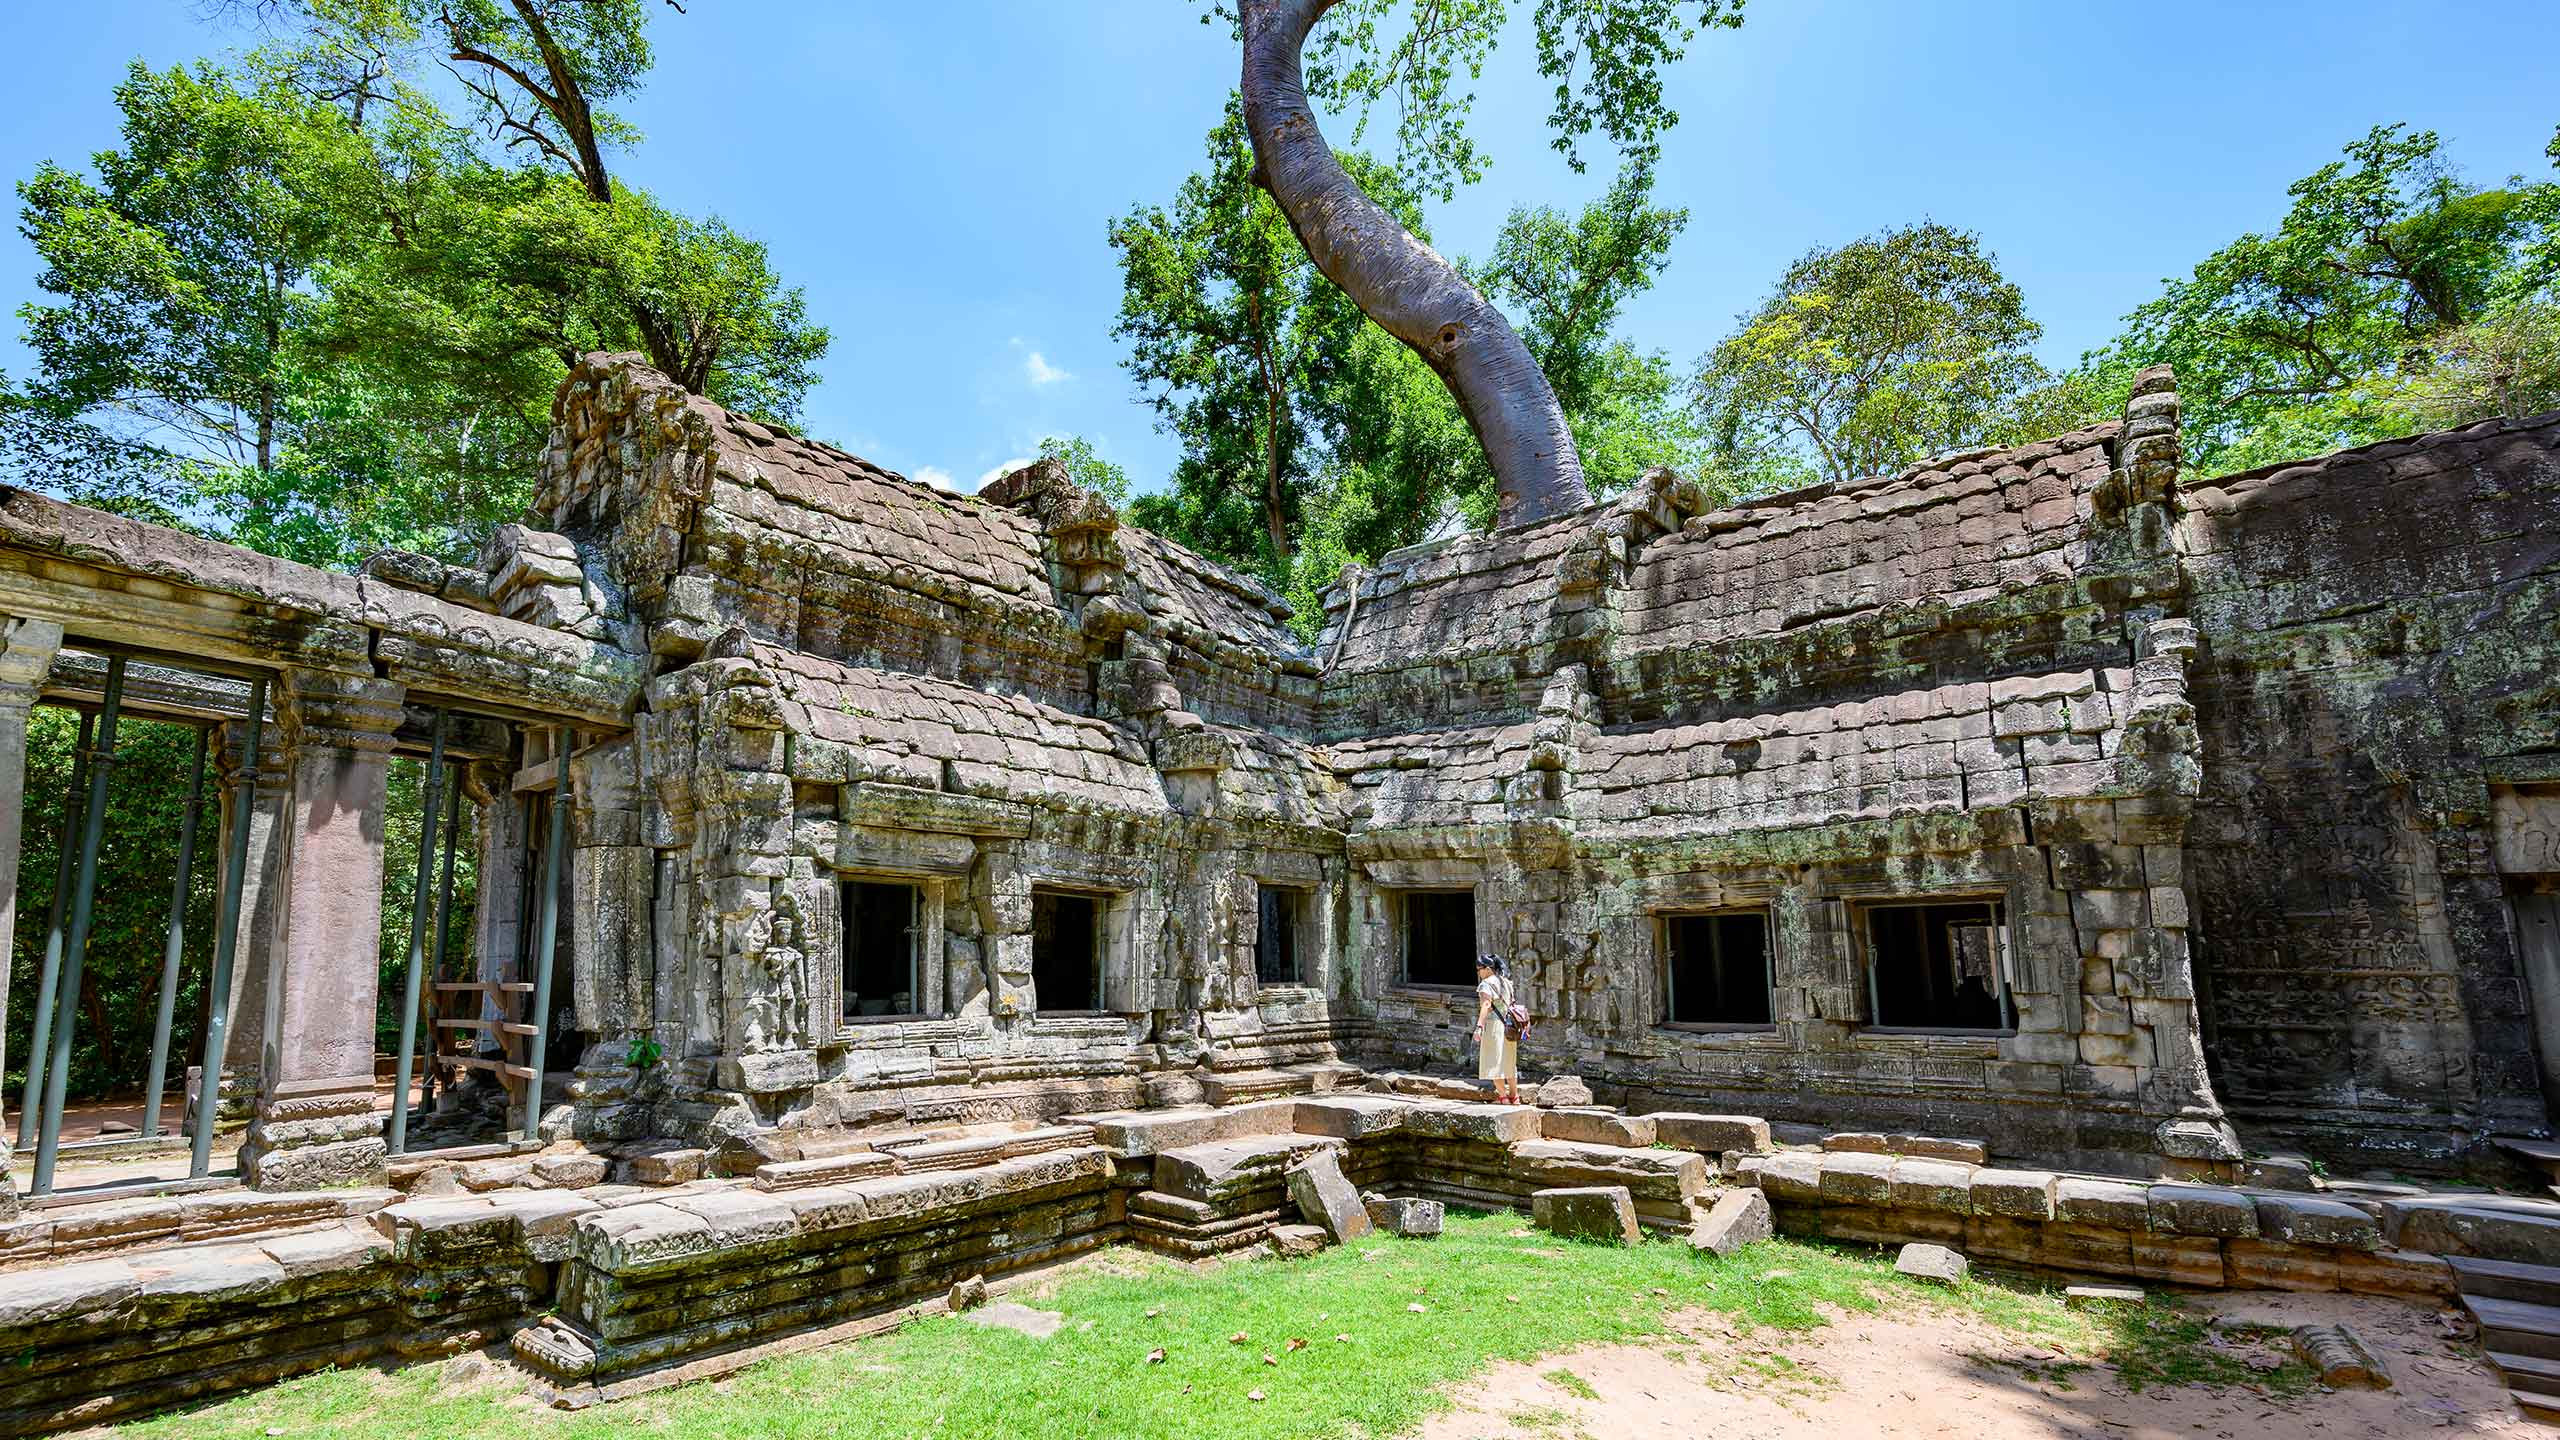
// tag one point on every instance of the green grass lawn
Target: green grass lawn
(1386, 1324)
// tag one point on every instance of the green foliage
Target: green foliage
(2293, 343)
(137, 865)
(1087, 468)
(1605, 57)
(1869, 357)
(1274, 382)
(1568, 278)
(303, 306)
(1310, 437)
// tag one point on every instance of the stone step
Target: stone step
(1235, 1087)
(2534, 1374)
(2515, 1326)
(2491, 1227)
(825, 1170)
(2506, 1279)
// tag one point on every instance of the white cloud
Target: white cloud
(1037, 369)
(937, 477)
(1005, 468)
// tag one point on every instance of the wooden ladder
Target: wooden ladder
(511, 995)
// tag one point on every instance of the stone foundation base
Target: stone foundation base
(312, 1142)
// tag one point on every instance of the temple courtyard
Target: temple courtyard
(1492, 1329)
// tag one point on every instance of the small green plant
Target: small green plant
(644, 1053)
(1571, 1384)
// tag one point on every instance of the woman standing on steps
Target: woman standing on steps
(1497, 1048)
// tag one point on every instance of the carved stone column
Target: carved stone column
(315, 1123)
(26, 652)
(261, 912)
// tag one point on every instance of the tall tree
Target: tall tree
(301, 303)
(2284, 341)
(1606, 57)
(1569, 277)
(1871, 356)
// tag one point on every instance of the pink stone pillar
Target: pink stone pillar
(315, 1124)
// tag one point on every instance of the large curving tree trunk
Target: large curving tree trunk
(1398, 281)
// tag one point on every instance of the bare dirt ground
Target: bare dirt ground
(1943, 1375)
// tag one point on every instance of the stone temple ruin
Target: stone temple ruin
(880, 886)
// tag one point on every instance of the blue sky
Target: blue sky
(939, 177)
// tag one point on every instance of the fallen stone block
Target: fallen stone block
(1605, 1213)
(1738, 1218)
(1935, 1264)
(668, 1167)
(1856, 1142)
(1326, 1198)
(1296, 1242)
(571, 1172)
(1404, 1216)
(2081, 1297)
(1563, 1090)
(2340, 1356)
(967, 1294)
(1599, 1127)
(1710, 1134)
(1933, 1147)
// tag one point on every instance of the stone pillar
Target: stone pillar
(315, 1123)
(261, 912)
(26, 652)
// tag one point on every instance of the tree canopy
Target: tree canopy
(1309, 435)
(304, 305)
(1870, 356)
(2308, 338)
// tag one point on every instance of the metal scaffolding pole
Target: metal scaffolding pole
(75, 943)
(419, 898)
(226, 936)
(546, 930)
(31, 1102)
(436, 967)
(176, 948)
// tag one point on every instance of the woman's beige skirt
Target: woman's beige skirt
(1497, 1058)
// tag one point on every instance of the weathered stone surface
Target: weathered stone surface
(1710, 1134)
(2474, 1225)
(967, 1294)
(1857, 1177)
(1675, 1176)
(1491, 1124)
(1325, 1198)
(1931, 1185)
(1595, 1212)
(1598, 1127)
(2202, 1210)
(1563, 1090)
(2341, 1357)
(57, 1292)
(1406, 1216)
(2019, 1194)
(2301, 1220)
(2081, 1297)
(1738, 1218)
(1935, 1264)
(1351, 1117)
(1788, 1175)
(2084, 1200)
(1296, 1242)
(1932, 1147)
